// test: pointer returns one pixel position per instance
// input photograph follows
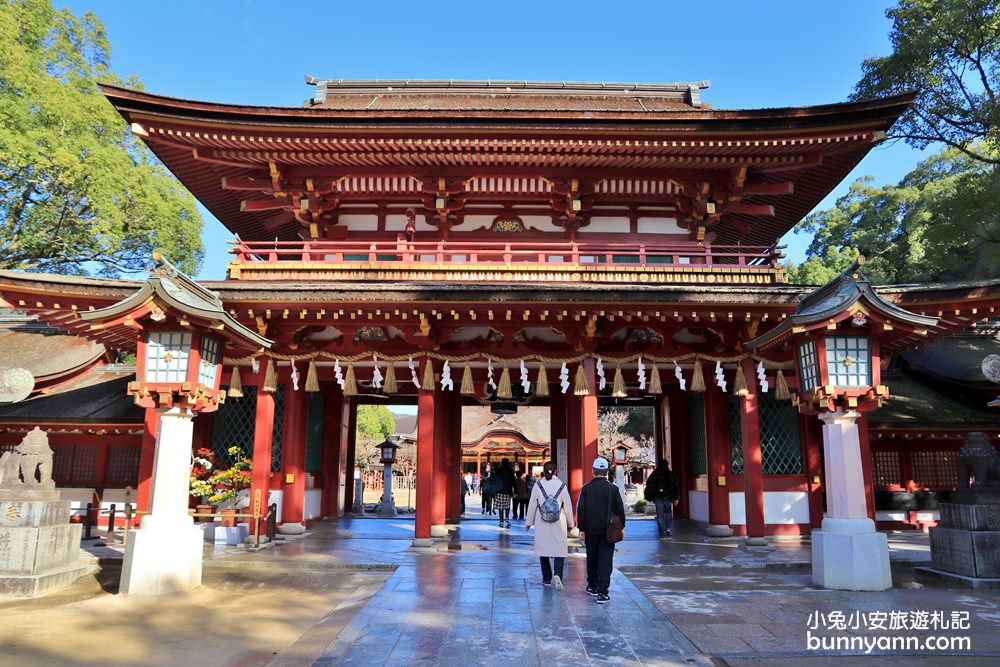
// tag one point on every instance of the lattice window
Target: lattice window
(84, 469)
(886, 469)
(781, 449)
(848, 361)
(735, 435)
(314, 434)
(808, 371)
(62, 464)
(935, 468)
(123, 467)
(209, 361)
(233, 425)
(696, 435)
(167, 356)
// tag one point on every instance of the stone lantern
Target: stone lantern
(835, 337)
(181, 331)
(620, 455)
(387, 507)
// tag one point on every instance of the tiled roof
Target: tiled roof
(508, 97)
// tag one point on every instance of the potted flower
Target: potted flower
(204, 464)
(228, 483)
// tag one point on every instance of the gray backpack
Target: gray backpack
(550, 509)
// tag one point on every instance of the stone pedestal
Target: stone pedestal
(164, 556)
(847, 554)
(967, 542)
(387, 506)
(39, 547)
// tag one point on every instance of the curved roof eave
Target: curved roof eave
(127, 100)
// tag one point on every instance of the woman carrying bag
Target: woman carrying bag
(550, 511)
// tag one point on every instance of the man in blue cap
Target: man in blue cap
(599, 501)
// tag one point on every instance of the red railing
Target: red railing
(486, 254)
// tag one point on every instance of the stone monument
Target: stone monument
(966, 546)
(39, 547)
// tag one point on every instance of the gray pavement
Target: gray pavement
(477, 598)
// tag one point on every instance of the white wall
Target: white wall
(698, 504)
(786, 507)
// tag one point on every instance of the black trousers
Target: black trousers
(520, 507)
(600, 555)
(547, 567)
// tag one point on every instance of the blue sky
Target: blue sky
(766, 53)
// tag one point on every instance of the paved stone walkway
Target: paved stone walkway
(440, 612)
(476, 599)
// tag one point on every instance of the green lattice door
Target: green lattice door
(233, 425)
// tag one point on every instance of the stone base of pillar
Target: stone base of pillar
(439, 531)
(291, 529)
(718, 530)
(849, 555)
(386, 509)
(161, 560)
(756, 545)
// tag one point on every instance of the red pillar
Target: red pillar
(454, 444)
(148, 448)
(812, 456)
(439, 497)
(557, 420)
(348, 448)
(866, 463)
(753, 472)
(588, 419)
(262, 435)
(718, 456)
(332, 470)
(574, 450)
(293, 455)
(425, 463)
(678, 440)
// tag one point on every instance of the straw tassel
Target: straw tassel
(350, 384)
(312, 378)
(468, 388)
(581, 387)
(428, 384)
(389, 386)
(235, 384)
(542, 383)
(781, 392)
(740, 387)
(503, 389)
(697, 378)
(654, 381)
(618, 388)
(270, 378)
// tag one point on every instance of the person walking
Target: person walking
(599, 501)
(487, 491)
(663, 491)
(549, 512)
(520, 495)
(505, 493)
(464, 492)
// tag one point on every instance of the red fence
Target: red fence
(481, 255)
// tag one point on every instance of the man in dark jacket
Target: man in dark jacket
(663, 491)
(599, 499)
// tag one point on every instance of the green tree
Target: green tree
(940, 222)
(375, 422)
(948, 52)
(78, 192)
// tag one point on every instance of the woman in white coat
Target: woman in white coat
(550, 536)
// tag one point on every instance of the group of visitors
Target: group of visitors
(546, 506)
